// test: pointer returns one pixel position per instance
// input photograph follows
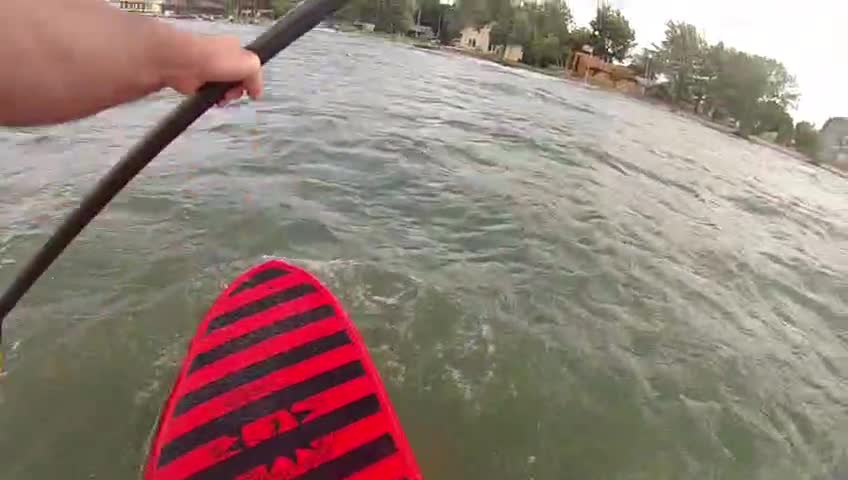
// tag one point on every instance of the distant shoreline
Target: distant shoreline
(558, 73)
(561, 74)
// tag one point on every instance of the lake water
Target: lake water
(556, 282)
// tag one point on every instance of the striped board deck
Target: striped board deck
(278, 384)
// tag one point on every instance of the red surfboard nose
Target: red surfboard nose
(278, 384)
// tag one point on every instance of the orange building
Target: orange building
(591, 68)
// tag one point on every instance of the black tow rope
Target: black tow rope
(285, 31)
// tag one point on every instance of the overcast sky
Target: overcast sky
(810, 37)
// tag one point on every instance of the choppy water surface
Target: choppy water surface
(555, 282)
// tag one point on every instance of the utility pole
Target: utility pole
(443, 4)
(648, 67)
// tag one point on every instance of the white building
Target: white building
(479, 39)
(476, 38)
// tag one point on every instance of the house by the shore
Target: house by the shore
(511, 53)
(212, 8)
(834, 142)
(478, 39)
(421, 32)
(584, 65)
(160, 7)
(150, 6)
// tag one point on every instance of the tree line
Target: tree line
(753, 92)
(546, 31)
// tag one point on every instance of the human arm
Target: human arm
(66, 59)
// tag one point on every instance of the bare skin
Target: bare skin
(61, 60)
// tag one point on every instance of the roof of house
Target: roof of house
(835, 121)
(420, 29)
(478, 28)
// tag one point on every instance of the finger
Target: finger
(233, 94)
(254, 84)
(226, 61)
(186, 86)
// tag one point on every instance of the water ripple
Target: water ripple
(553, 272)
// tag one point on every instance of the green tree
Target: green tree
(473, 13)
(712, 68)
(782, 88)
(807, 140)
(282, 7)
(771, 116)
(543, 31)
(644, 63)
(549, 33)
(554, 19)
(681, 58)
(755, 91)
(744, 82)
(500, 32)
(544, 51)
(579, 37)
(498, 9)
(613, 37)
(397, 17)
(428, 12)
(522, 28)
(360, 10)
(391, 16)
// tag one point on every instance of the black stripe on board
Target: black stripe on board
(287, 443)
(230, 424)
(264, 276)
(260, 369)
(353, 461)
(259, 305)
(283, 325)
